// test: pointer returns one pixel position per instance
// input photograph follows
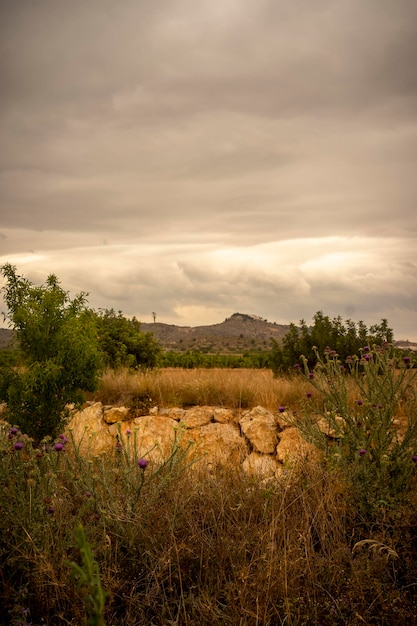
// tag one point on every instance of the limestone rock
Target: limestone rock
(261, 466)
(223, 416)
(116, 414)
(328, 430)
(90, 431)
(220, 443)
(197, 416)
(292, 446)
(175, 413)
(260, 427)
(154, 434)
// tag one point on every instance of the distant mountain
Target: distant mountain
(238, 333)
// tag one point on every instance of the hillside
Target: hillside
(236, 334)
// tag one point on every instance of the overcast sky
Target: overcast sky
(202, 157)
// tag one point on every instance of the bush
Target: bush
(345, 337)
(122, 342)
(59, 351)
(375, 434)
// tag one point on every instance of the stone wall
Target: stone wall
(258, 439)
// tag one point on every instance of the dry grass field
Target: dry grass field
(231, 388)
(223, 549)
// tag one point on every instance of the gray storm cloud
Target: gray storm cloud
(202, 158)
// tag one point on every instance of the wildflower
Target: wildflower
(281, 409)
(362, 452)
(297, 366)
(367, 357)
(18, 445)
(14, 431)
(128, 432)
(406, 360)
(366, 348)
(359, 402)
(88, 494)
(119, 446)
(51, 510)
(142, 463)
(63, 438)
(311, 375)
(414, 458)
(59, 446)
(309, 395)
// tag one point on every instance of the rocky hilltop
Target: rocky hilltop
(237, 333)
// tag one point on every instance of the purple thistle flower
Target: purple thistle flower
(51, 510)
(362, 452)
(367, 357)
(366, 348)
(88, 494)
(311, 375)
(297, 366)
(59, 446)
(14, 431)
(359, 402)
(63, 438)
(281, 409)
(128, 433)
(18, 445)
(119, 446)
(414, 458)
(309, 395)
(406, 360)
(142, 463)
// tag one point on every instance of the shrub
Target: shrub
(122, 342)
(374, 433)
(58, 346)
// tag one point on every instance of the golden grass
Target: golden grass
(231, 388)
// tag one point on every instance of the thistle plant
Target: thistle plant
(88, 580)
(354, 418)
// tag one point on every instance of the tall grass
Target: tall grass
(164, 546)
(232, 388)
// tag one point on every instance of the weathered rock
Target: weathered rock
(260, 427)
(90, 431)
(223, 416)
(262, 466)
(328, 430)
(219, 443)
(175, 413)
(292, 446)
(197, 416)
(154, 434)
(116, 414)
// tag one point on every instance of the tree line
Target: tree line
(63, 346)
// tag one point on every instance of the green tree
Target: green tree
(325, 335)
(123, 343)
(60, 357)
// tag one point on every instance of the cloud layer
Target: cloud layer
(196, 159)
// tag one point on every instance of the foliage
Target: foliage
(197, 358)
(58, 347)
(123, 343)
(203, 548)
(375, 434)
(88, 579)
(344, 337)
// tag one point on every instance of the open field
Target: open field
(220, 548)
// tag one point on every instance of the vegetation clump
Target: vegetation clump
(59, 355)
